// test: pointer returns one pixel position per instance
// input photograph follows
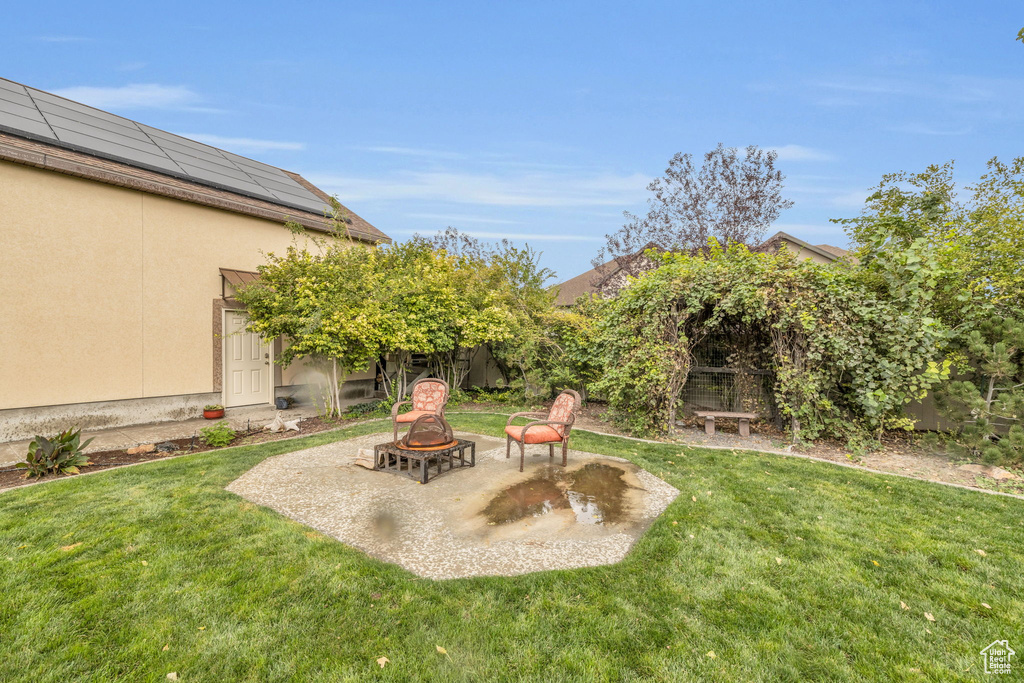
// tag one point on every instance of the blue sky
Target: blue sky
(544, 121)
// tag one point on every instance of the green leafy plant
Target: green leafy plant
(214, 406)
(379, 408)
(217, 435)
(60, 455)
(845, 358)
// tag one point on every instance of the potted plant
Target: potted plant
(213, 412)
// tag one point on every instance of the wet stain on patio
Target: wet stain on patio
(595, 493)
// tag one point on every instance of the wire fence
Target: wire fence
(729, 389)
(725, 377)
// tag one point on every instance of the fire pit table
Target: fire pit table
(388, 457)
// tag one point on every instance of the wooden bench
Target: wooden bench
(710, 415)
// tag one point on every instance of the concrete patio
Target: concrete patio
(486, 520)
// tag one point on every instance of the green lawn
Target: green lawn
(795, 571)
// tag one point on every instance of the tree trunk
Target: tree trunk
(335, 389)
(988, 397)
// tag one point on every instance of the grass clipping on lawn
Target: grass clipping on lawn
(766, 567)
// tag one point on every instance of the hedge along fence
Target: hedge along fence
(846, 358)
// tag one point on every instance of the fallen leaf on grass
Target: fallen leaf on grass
(382, 661)
(981, 552)
(778, 560)
(694, 498)
(928, 616)
(711, 653)
(986, 605)
(444, 651)
(875, 562)
(166, 648)
(202, 628)
(66, 548)
(173, 676)
(903, 605)
(674, 523)
(20, 547)
(145, 564)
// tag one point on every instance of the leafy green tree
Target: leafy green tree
(440, 304)
(959, 261)
(576, 362)
(520, 342)
(325, 307)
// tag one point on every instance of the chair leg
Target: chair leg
(565, 452)
(522, 455)
(395, 435)
(508, 446)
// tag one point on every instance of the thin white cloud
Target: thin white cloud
(61, 39)
(831, 197)
(871, 86)
(529, 237)
(945, 88)
(849, 200)
(462, 218)
(923, 129)
(135, 96)
(414, 152)
(535, 189)
(800, 153)
(244, 144)
(517, 236)
(132, 66)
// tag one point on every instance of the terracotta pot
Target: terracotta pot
(213, 414)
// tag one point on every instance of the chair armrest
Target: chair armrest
(522, 434)
(394, 408)
(515, 415)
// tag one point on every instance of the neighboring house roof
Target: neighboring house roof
(838, 251)
(585, 283)
(826, 251)
(591, 281)
(47, 131)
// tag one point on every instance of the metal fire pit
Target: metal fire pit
(429, 442)
(423, 464)
(428, 432)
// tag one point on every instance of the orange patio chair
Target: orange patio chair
(429, 397)
(555, 429)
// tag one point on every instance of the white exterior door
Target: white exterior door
(247, 364)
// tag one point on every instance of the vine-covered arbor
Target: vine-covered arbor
(838, 358)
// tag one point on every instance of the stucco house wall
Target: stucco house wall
(111, 294)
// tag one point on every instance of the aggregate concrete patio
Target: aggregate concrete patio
(486, 520)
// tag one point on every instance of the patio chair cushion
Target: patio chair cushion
(412, 415)
(535, 434)
(561, 411)
(428, 397)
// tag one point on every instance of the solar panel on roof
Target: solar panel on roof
(36, 114)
